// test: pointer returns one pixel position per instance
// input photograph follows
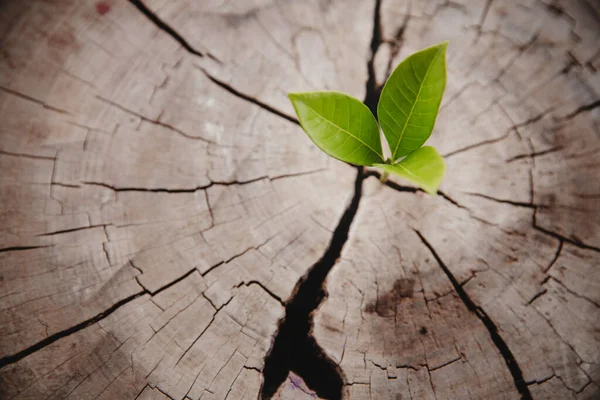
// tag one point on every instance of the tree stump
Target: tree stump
(167, 231)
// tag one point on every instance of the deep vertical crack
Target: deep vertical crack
(505, 351)
(373, 91)
(294, 348)
(397, 42)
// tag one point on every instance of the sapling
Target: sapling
(345, 128)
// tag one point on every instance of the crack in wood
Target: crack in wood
(521, 50)
(217, 310)
(558, 236)
(431, 369)
(506, 201)
(156, 121)
(391, 184)
(264, 288)
(11, 359)
(294, 349)
(484, 14)
(452, 201)
(163, 393)
(33, 100)
(556, 255)
(558, 335)
(162, 25)
(142, 391)
(535, 154)
(182, 190)
(576, 391)
(82, 228)
(540, 381)
(537, 296)
(535, 207)
(478, 144)
(397, 42)
(191, 189)
(489, 324)
(555, 279)
(372, 90)
(338, 235)
(579, 110)
(247, 97)
(408, 189)
(528, 121)
(34, 157)
(173, 282)
(22, 248)
(447, 101)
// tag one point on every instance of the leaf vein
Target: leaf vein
(406, 84)
(396, 104)
(414, 104)
(343, 130)
(410, 61)
(391, 115)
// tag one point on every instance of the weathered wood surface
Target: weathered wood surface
(159, 204)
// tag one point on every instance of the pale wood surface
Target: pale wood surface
(159, 204)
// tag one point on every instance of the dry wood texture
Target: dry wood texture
(168, 232)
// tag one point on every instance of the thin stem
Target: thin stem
(384, 176)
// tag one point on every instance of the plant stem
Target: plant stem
(384, 176)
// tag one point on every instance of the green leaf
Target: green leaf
(425, 167)
(340, 125)
(411, 98)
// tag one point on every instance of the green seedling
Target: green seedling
(345, 128)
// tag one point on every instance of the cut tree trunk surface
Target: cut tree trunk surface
(167, 231)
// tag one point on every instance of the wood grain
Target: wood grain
(160, 207)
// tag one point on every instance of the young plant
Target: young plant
(345, 128)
